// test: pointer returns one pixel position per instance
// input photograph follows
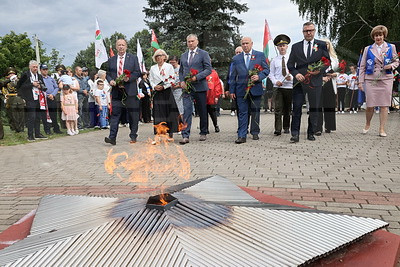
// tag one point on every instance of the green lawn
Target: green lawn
(12, 138)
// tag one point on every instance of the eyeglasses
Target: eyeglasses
(308, 30)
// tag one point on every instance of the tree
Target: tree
(213, 22)
(55, 59)
(15, 51)
(349, 23)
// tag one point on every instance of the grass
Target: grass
(12, 138)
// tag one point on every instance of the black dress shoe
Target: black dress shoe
(328, 131)
(255, 137)
(58, 132)
(294, 139)
(286, 131)
(318, 133)
(240, 140)
(277, 133)
(110, 141)
(217, 129)
(311, 137)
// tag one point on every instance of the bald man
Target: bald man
(238, 80)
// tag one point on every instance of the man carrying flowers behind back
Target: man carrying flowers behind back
(248, 69)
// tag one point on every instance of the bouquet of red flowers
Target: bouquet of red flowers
(342, 66)
(188, 80)
(120, 79)
(257, 69)
(312, 68)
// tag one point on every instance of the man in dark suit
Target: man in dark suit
(241, 64)
(30, 87)
(124, 94)
(303, 54)
(199, 60)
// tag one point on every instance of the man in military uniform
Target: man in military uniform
(14, 103)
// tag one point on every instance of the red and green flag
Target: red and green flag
(154, 42)
(267, 38)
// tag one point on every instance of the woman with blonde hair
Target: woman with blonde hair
(162, 78)
(376, 74)
(328, 95)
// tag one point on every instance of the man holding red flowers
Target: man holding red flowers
(307, 63)
(124, 68)
(248, 69)
(195, 67)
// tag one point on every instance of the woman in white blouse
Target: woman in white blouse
(162, 78)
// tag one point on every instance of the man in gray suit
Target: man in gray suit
(198, 60)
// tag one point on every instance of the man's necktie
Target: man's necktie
(120, 68)
(191, 58)
(309, 49)
(247, 60)
(284, 72)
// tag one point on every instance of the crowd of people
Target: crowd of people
(175, 86)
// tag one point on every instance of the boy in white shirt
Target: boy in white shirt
(353, 89)
(341, 81)
(103, 101)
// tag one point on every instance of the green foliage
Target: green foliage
(213, 22)
(15, 51)
(349, 23)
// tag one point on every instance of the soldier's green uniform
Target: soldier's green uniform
(14, 104)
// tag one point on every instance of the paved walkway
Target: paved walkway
(344, 171)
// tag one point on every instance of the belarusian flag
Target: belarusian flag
(100, 53)
(154, 42)
(267, 37)
(139, 54)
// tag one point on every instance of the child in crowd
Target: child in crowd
(341, 81)
(69, 106)
(103, 101)
(353, 89)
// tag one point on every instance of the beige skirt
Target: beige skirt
(378, 93)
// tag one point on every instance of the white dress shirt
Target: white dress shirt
(123, 62)
(194, 54)
(305, 47)
(275, 73)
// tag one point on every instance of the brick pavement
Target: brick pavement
(344, 171)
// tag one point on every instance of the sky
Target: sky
(69, 26)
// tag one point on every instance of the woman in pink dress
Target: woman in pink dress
(376, 76)
(69, 106)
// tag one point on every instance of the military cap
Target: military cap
(10, 70)
(281, 39)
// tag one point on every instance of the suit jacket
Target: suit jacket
(201, 61)
(132, 64)
(378, 67)
(24, 85)
(298, 63)
(238, 76)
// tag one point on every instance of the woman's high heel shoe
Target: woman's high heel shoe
(382, 134)
(365, 131)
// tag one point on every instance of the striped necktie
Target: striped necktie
(120, 68)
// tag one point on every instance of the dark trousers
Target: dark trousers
(283, 107)
(314, 98)
(93, 111)
(33, 117)
(52, 106)
(353, 99)
(327, 115)
(145, 108)
(212, 111)
(201, 101)
(341, 91)
(83, 107)
(248, 109)
(131, 103)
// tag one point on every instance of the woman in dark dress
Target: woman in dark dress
(162, 77)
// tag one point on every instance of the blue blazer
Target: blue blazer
(298, 63)
(132, 64)
(201, 61)
(238, 76)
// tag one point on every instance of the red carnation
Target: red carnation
(194, 72)
(127, 73)
(259, 67)
(325, 61)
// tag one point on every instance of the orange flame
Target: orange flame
(149, 161)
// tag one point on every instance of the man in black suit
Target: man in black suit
(125, 93)
(30, 87)
(303, 54)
